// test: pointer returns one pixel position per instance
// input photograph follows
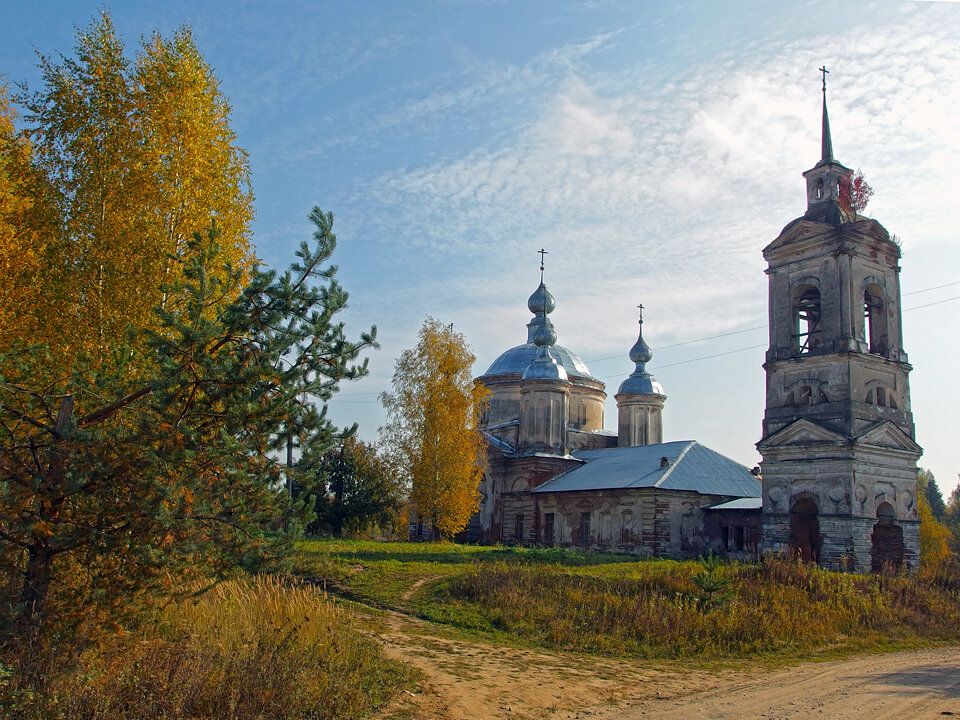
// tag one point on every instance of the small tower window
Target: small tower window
(808, 321)
(819, 189)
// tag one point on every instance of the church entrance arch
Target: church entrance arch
(886, 542)
(805, 538)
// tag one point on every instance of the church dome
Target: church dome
(515, 361)
(540, 331)
(640, 382)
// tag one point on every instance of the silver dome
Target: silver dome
(515, 361)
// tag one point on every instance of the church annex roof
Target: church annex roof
(679, 465)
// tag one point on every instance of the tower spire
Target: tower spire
(826, 143)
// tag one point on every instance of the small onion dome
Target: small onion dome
(541, 302)
(640, 382)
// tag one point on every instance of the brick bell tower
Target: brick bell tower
(839, 455)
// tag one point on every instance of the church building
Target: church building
(839, 464)
(555, 476)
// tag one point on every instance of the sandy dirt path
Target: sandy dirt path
(910, 685)
(467, 680)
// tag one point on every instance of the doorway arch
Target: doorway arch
(886, 541)
(805, 538)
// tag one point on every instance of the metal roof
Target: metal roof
(749, 503)
(690, 466)
(516, 359)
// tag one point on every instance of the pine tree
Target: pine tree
(120, 489)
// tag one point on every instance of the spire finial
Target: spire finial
(542, 253)
(826, 143)
(640, 311)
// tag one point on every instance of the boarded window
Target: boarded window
(518, 528)
(548, 529)
(584, 528)
(626, 527)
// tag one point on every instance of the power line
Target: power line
(696, 340)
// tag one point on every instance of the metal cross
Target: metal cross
(640, 308)
(824, 71)
(542, 253)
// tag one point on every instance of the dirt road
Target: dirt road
(917, 684)
(467, 680)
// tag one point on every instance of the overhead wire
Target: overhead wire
(339, 396)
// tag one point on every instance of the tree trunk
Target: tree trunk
(33, 596)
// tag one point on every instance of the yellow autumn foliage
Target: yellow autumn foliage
(120, 162)
(433, 431)
(934, 535)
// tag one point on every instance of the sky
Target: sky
(652, 148)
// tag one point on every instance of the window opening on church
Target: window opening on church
(874, 321)
(626, 527)
(869, 398)
(518, 527)
(808, 321)
(548, 529)
(820, 189)
(881, 397)
(584, 528)
(725, 537)
(738, 538)
(892, 401)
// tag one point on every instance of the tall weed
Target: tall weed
(246, 650)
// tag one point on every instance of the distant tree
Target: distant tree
(855, 193)
(433, 433)
(116, 490)
(355, 491)
(938, 505)
(951, 517)
(934, 536)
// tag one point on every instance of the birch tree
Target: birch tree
(433, 429)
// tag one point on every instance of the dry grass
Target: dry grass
(247, 650)
(657, 611)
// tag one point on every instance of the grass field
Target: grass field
(621, 605)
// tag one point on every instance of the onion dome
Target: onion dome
(640, 382)
(541, 302)
(540, 334)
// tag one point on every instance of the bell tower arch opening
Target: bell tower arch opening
(875, 320)
(808, 319)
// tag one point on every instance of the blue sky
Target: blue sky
(653, 149)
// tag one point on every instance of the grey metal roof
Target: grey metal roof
(516, 359)
(749, 503)
(691, 467)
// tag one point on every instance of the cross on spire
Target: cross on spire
(542, 253)
(640, 309)
(824, 71)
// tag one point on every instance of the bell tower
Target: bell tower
(839, 455)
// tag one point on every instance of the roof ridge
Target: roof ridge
(676, 462)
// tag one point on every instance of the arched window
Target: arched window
(874, 320)
(807, 318)
(819, 189)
